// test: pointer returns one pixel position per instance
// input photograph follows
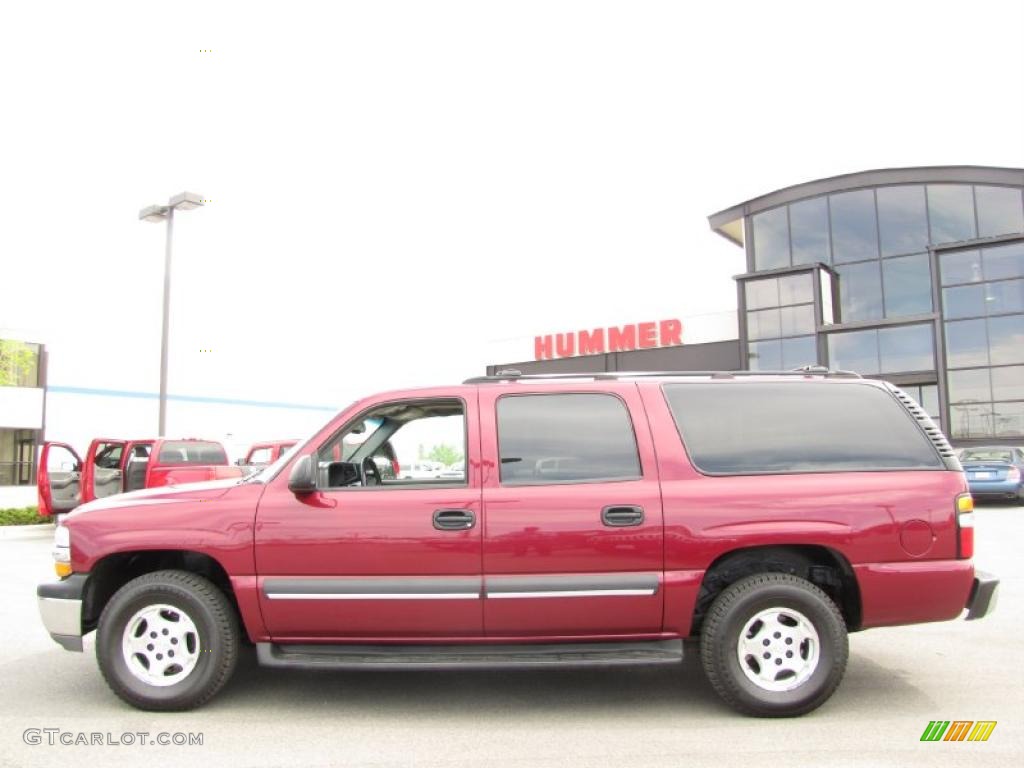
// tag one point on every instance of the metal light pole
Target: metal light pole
(185, 201)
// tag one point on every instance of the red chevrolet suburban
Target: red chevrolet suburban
(600, 519)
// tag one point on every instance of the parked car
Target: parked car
(419, 470)
(114, 466)
(457, 469)
(994, 472)
(602, 520)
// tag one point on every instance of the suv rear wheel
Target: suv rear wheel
(774, 645)
(167, 640)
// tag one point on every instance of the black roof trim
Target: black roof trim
(806, 371)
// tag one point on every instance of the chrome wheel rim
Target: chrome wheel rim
(778, 649)
(160, 645)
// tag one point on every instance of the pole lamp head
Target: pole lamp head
(154, 213)
(186, 201)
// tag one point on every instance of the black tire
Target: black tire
(730, 613)
(217, 627)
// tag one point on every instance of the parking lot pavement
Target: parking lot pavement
(898, 680)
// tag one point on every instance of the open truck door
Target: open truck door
(59, 479)
(102, 473)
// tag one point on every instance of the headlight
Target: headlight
(62, 551)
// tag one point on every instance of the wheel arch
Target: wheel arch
(823, 566)
(112, 572)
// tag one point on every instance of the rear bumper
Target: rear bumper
(984, 594)
(60, 607)
(1001, 488)
(913, 592)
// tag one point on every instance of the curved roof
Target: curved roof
(729, 222)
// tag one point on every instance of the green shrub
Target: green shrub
(22, 516)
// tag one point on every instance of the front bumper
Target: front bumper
(60, 607)
(983, 597)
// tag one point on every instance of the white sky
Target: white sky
(395, 184)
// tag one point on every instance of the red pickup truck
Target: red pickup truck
(600, 519)
(115, 466)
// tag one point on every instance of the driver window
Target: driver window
(405, 444)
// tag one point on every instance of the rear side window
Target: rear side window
(565, 438)
(191, 452)
(743, 428)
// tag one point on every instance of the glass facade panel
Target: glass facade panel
(854, 351)
(860, 291)
(796, 289)
(799, 351)
(951, 212)
(1006, 339)
(808, 221)
(765, 356)
(960, 267)
(964, 301)
(970, 420)
(908, 285)
(906, 348)
(902, 219)
(763, 324)
(1008, 419)
(17, 456)
(771, 239)
(797, 320)
(1008, 383)
(854, 227)
(1001, 261)
(971, 386)
(966, 344)
(1004, 296)
(762, 293)
(930, 399)
(1000, 210)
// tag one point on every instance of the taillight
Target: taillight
(1013, 475)
(395, 468)
(965, 525)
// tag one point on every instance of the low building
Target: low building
(22, 409)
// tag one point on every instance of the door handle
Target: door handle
(619, 516)
(454, 519)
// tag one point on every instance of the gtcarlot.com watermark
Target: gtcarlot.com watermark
(57, 737)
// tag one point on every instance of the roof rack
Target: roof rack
(511, 374)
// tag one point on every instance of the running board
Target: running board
(472, 656)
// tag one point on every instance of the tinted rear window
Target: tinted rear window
(191, 452)
(742, 428)
(565, 438)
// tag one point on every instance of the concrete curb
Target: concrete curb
(25, 531)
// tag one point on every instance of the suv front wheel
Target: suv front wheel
(774, 645)
(167, 640)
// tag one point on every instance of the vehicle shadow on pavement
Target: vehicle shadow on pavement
(45, 681)
(483, 693)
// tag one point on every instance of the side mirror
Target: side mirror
(302, 479)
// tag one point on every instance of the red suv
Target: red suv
(601, 519)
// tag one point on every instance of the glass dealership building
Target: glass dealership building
(913, 275)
